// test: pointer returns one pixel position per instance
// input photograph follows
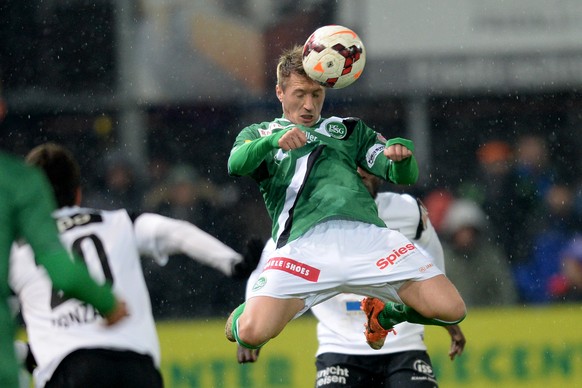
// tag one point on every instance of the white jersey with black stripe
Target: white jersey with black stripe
(111, 245)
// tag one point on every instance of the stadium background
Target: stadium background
(171, 82)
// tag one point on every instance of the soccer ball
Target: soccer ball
(334, 56)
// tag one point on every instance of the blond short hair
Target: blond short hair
(290, 62)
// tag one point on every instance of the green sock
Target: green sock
(395, 313)
(236, 314)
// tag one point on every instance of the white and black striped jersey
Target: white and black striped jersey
(110, 244)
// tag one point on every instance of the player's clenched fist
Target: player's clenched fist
(292, 139)
(397, 152)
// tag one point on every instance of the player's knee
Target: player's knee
(251, 334)
(453, 311)
(457, 310)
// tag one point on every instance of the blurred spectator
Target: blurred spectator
(554, 230)
(120, 186)
(567, 285)
(504, 196)
(533, 163)
(158, 169)
(478, 268)
(437, 203)
(183, 195)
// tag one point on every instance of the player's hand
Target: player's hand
(251, 257)
(118, 313)
(397, 152)
(458, 341)
(292, 139)
(244, 355)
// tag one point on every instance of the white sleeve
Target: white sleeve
(158, 237)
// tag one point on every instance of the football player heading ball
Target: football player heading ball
(328, 234)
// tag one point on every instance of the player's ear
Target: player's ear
(279, 92)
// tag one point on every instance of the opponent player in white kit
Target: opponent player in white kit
(343, 360)
(68, 340)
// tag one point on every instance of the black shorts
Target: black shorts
(99, 368)
(402, 370)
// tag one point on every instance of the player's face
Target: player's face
(302, 100)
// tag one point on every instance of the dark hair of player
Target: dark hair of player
(61, 168)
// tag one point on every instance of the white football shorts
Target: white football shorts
(339, 256)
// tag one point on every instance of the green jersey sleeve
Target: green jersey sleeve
(374, 161)
(250, 149)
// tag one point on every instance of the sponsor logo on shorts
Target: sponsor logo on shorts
(293, 267)
(396, 254)
(332, 375)
(424, 268)
(260, 283)
(423, 367)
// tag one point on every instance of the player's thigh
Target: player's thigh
(336, 370)
(435, 297)
(411, 369)
(267, 316)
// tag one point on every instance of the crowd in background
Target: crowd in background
(505, 202)
(511, 227)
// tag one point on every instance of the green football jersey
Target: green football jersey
(318, 181)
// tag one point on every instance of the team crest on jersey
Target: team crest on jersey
(336, 129)
(260, 283)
